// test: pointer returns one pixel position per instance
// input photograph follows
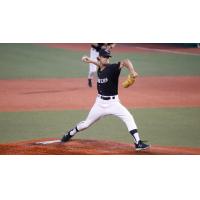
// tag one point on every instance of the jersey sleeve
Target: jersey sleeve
(116, 67)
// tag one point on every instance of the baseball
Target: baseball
(84, 58)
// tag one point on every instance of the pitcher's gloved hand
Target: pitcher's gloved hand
(129, 81)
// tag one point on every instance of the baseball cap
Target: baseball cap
(105, 53)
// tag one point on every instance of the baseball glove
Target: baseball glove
(129, 81)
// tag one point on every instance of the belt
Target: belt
(107, 98)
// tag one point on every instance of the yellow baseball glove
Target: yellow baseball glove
(129, 81)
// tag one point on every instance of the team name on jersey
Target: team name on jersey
(104, 80)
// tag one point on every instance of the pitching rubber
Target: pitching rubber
(48, 142)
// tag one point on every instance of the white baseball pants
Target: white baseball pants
(103, 108)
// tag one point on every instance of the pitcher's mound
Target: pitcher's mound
(88, 147)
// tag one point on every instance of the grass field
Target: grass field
(19, 61)
(174, 126)
(159, 126)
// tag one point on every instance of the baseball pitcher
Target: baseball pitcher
(107, 101)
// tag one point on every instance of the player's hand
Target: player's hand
(86, 59)
(134, 74)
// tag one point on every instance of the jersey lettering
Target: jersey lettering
(104, 80)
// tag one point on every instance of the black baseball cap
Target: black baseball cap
(105, 53)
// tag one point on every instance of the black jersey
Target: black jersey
(97, 46)
(107, 82)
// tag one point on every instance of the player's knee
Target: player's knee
(129, 117)
(93, 72)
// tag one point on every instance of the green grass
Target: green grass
(163, 64)
(174, 127)
(36, 61)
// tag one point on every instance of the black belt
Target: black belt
(107, 98)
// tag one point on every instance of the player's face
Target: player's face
(104, 60)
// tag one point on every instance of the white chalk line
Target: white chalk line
(167, 51)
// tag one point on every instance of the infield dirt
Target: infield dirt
(73, 93)
(89, 147)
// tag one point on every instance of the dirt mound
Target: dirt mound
(89, 147)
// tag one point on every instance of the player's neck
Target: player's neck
(102, 67)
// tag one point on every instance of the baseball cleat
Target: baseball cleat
(66, 137)
(141, 146)
(90, 82)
